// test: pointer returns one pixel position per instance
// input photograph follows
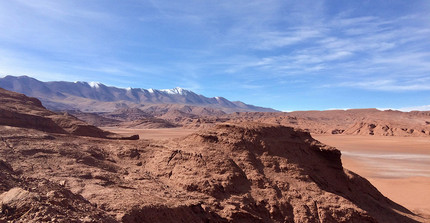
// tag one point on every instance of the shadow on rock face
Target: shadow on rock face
(191, 214)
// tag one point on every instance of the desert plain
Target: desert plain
(398, 166)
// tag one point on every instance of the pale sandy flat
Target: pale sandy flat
(164, 133)
(398, 166)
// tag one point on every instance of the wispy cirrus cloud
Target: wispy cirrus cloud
(348, 48)
(388, 85)
(271, 40)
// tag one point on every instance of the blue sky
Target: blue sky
(288, 55)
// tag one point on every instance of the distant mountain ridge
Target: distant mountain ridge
(94, 96)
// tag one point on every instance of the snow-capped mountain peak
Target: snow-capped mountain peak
(94, 84)
(176, 90)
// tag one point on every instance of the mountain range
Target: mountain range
(97, 97)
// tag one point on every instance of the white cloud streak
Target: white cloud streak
(386, 85)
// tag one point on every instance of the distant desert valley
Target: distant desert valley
(87, 152)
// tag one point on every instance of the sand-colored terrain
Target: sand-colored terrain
(398, 166)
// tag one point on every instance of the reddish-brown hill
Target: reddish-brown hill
(22, 111)
(265, 173)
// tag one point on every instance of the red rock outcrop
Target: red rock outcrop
(264, 173)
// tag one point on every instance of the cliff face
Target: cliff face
(265, 173)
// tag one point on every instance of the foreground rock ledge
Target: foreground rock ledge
(244, 172)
